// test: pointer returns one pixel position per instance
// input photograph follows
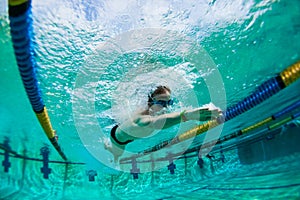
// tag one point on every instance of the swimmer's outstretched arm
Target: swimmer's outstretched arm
(167, 120)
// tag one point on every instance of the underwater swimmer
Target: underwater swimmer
(147, 121)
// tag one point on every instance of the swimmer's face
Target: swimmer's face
(162, 97)
(161, 101)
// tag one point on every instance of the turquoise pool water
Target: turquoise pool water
(248, 42)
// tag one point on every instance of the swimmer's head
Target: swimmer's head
(161, 96)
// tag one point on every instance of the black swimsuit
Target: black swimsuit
(113, 135)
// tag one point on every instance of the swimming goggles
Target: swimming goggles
(163, 103)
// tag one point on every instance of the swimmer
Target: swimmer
(144, 123)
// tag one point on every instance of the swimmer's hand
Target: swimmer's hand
(202, 114)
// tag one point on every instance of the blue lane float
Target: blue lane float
(286, 110)
(21, 31)
(20, 18)
(263, 92)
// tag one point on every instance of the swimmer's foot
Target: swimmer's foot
(108, 146)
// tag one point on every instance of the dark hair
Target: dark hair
(159, 90)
